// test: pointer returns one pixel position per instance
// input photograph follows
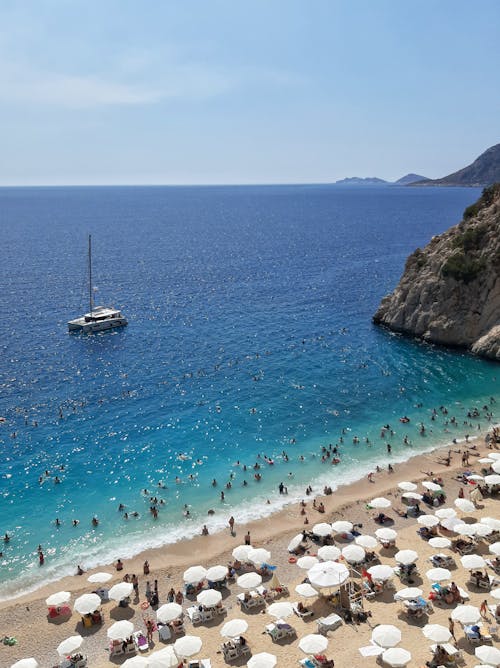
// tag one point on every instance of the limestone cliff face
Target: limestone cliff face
(450, 290)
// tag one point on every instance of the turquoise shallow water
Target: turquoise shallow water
(250, 333)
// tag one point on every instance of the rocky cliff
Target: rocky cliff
(484, 171)
(450, 290)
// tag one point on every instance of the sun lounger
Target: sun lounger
(255, 601)
(164, 633)
(141, 641)
(280, 630)
(201, 663)
(329, 623)
(198, 616)
(303, 615)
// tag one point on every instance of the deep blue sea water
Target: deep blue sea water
(250, 333)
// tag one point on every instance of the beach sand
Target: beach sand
(26, 617)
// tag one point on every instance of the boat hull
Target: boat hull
(83, 327)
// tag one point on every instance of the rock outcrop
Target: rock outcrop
(450, 291)
(484, 171)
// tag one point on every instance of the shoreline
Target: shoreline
(278, 524)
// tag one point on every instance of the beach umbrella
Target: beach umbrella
(342, 526)
(465, 505)
(486, 460)
(483, 665)
(436, 633)
(495, 593)
(488, 654)
(450, 523)
(466, 614)
(313, 643)
(412, 496)
(295, 542)
(472, 561)
(209, 597)
(408, 594)
(475, 476)
(464, 529)
(440, 542)
(494, 548)
(249, 580)
(365, 541)
(136, 662)
(322, 529)
(194, 574)
(281, 609)
(329, 552)
(494, 455)
(386, 635)
(406, 557)
(396, 657)
(407, 486)
(428, 520)
(241, 552)
(496, 466)
(492, 522)
(262, 660)
(216, 573)
(168, 612)
(482, 530)
(87, 603)
(120, 630)
(304, 589)
(494, 478)
(354, 554)
(328, 574)
(99, 577)
(443, 513)
(163, 658)
(69, 645)
(274, 582)
(258, 556)
(438, 574)
(381, 572)
(59, 598)
(380, 502)
(384, 534)
(25, 663)
(307, 562)
(431, 486)
(234, 628)
(187, 646)
(120, 591)
(371, 650)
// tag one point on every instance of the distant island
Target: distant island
(484, 171)
(374, 181)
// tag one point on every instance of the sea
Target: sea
(250, 341)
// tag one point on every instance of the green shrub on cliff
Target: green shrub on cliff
(463, 268)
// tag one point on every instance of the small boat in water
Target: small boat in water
(99, 318)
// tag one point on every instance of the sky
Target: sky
(256, 91)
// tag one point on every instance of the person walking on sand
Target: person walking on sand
(451, 628)
(231, 524)
(247, 538)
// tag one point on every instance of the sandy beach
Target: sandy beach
(25, 617)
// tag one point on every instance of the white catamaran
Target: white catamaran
(99, 318)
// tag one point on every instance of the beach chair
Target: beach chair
(115, 648)
(230, 652)
(141, 641)
(280, 630)
(164, 633)
(198, 616)
(201, 663)
(253, 602)
(329, 623)
(302, 615)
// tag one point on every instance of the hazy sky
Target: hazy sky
(254, 91)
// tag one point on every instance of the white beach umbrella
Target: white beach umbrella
(475, 476)
(496, 466)
(396, 657)
(25, 663)
(495, 593)
(234, 628)
(322, 529)
(472, 561)
(380, 502)
(249, 580)
(494, 548)
(493, 479)
(494, 455)
(307, 562)
(407, 486)
(194, 574)
(209, 597)
(354, 554)
(69, 645)
(327, 574)
(486, 460)
(450, 523)
(412, 496)
(120, 591)
(443, 513)
(281, 609)
(120, 630)
(406, 557)
(428, 520)
(466, 614)
(381, 572)
(163, 658)
(483, 665)
(408, 594)
(168, 612)
(366, 541)
(259, 556)
(464, 529)
(482, 530)
(329, 552)
(87, 603)
(488, 654)
(295, 542)
(262, 660)
(241, 552)
(187, 646)
(492, 522)
(59, 598)
(440, 542)
(136, 662)
(384, 534)
(386, 635)
(216, 573)
(431, 486)
(99, 577)
(313, 643)
(436, 632)
(438, 574)
(465, 505)
(305, 590)
(342, 526)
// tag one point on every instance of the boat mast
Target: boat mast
(90, 275)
